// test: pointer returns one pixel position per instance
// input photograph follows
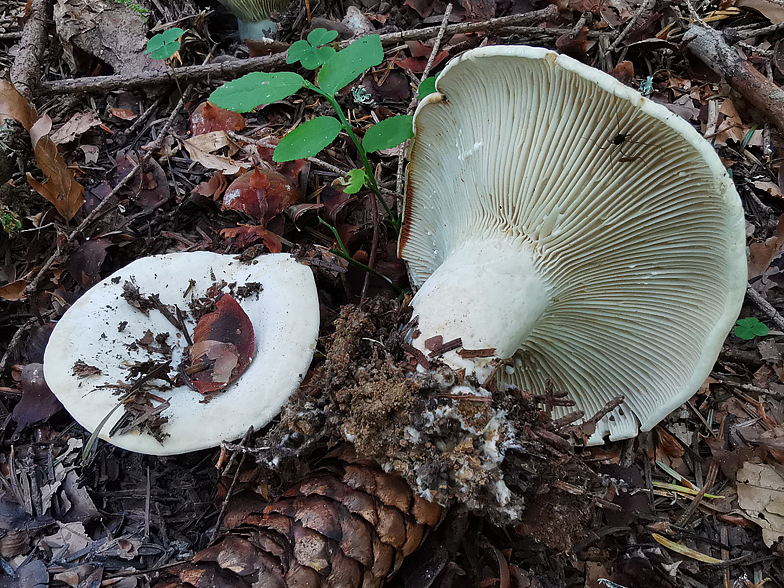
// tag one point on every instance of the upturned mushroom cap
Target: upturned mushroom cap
(589, 234)
(285, 319)
(253, 16)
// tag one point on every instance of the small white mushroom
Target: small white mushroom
(102, 329)
(558, 217)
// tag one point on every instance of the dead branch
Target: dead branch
(26, 69)
(710, 47)
(233, 69)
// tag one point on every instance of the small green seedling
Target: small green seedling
(310, 53)
(353, 181)
(165, 44)
(337, 70)
(428, 86)
(748, 328)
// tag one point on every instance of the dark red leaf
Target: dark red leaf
(85, 264)
(289, 169)
(213, 188)
(245, 235)
(223, 346)
(207, 118)
(37, 403)
(260, 193)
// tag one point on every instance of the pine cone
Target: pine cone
(346, 526)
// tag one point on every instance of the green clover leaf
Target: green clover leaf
(310, 53)
(749, 328)
(165, 44)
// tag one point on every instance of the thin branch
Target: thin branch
(233, 69)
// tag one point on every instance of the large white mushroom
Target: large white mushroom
(102, 330)
(561, 219)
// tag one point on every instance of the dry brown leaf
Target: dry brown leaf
(13, 105)
(769, 187)
(61, 188)
(201, 148)
(762, 254)
(13, 291)
(208, 118)
(761, 496)
(773, 11)
(79, 123)
(123, 113)
(212, 188)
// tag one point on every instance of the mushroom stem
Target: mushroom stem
(489, 294)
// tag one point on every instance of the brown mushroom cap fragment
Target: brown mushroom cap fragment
(102, 330)
(589, 234)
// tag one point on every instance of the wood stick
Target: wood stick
(234, 68)
(710, 47)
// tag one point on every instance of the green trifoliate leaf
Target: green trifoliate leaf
(307, 139)
(251, 90)
(310, 53)
(748, 328)
(347, 65)
(319, 37)
(388, 133)
(165, 44)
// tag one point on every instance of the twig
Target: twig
(232, 69)
(14, 343)
(712, 471)
(25, 72)
(736, 34)
(766, 307)
(225, 504)
(631, 24)
(711, 48)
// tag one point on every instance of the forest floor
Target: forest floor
(697, 502)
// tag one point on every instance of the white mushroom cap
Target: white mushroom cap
(285, 317)
(608, 267)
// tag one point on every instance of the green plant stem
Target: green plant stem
(343, 254)
(371, 177)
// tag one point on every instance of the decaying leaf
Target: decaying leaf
(37, 403)
(61, 188)
(212, 188)
(208, 118)
(260, 193)
(13, 291)
(150, 187)
(13, 105)
(245, 235)
(761, 496)
(110, 31)
(201, 149)
(85, 263)
(762, 254)
(223, 346)
(770, 9)
(123, 113)
(79, 123)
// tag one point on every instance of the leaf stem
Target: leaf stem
(371, 177)
(343, 254)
